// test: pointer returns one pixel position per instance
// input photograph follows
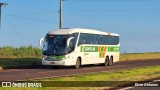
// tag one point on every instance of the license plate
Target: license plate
(52, 62)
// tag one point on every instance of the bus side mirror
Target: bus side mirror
(68, 41)
(41, 41)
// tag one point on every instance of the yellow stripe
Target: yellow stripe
(105, 48)
(99, 48)
(103, 55)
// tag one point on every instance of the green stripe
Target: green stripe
(100, 55)
(56, 57)
(89, 49)
(102, 49)
(81, 48)
(113, 49)
(95, 49)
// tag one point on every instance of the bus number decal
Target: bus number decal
(113, 49)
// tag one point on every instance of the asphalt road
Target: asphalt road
(22, 74)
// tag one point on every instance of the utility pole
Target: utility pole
(60, 13)
(1, 4)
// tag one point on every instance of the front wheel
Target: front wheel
(78, 63)
(110, 61)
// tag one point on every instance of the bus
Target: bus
(77, 47)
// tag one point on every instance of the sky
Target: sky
(137, 22)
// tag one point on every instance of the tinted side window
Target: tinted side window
(96, 39)
(75, 35)
(89, 39)
(82, 39)
(112, 40)
(116, 40)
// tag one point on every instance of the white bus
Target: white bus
(76, 47)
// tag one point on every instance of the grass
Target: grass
(139, 56)
(19, 62)
(21, 57)
(136, 74)
(20, 52)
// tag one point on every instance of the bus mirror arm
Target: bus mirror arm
(68, 41)
(41, 41)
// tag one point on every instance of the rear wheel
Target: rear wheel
(78, 63)
(110, 61)
(106, 61)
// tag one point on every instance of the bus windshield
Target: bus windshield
(55, 45)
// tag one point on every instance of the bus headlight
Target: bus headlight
(44, 57)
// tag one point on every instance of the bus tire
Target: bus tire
(106, 61)
(78, 63)
(110, 61)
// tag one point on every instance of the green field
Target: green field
(136, 74)
(11, 57)
(20, 52)
(22, 57)
(30, 57)
(139, 56)
(8, 63)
